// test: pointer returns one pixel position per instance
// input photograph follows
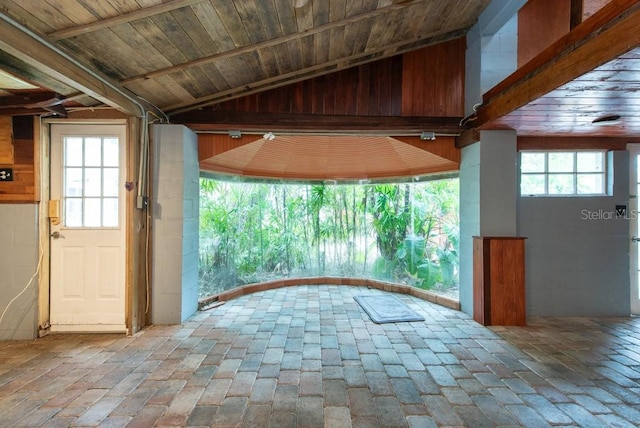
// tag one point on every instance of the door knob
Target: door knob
(56, 235)
(635, 239)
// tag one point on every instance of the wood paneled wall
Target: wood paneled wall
(433, 80)
(427, 82)
(23, 186)
(366, 90)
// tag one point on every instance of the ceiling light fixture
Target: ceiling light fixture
(235, 134)
(269, 136)
(610, 119)
(428, 136)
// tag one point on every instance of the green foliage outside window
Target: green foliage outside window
(400, 232)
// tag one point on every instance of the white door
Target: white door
(87, 244)
(634, 251)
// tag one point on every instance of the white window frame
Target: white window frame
(574, 172)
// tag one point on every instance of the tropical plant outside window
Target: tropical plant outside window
(401, 232)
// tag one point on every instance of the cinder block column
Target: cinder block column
(18, 263)
(488, 199)
(175, 204)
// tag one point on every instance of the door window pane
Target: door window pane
(93, 212)
(73, 182)
(91, 181)
(73, 151)
(111, 152)
(73, 212)
(110, 212)
(92, 151)
(110, 182)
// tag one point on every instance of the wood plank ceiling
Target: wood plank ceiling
(184, 54)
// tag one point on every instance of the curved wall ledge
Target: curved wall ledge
(429, 296)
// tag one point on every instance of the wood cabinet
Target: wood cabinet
(498, 280)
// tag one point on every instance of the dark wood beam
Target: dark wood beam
(467, 138)
(609, 33)
(574, 143)
(222, 121)
(38, 99)
(34, 103)
(21, 111)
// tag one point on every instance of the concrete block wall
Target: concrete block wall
(577, 251)
(492, 49)
(469, 221)
(18, 263)
(488, 204)
(499, 54)
(175, 224)
(498, 183)
(191, 224)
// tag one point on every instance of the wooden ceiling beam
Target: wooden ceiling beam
(37, 99)
(609, 33)
(121, 19)
(269, 43)
(223, 121)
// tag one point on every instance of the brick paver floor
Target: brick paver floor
(309, 356)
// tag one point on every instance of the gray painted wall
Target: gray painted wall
(18, 264)
(576, 266)
(488, 199)
(175, 224)
(491, 50)
(469, 221)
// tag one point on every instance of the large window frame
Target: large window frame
(563, 173)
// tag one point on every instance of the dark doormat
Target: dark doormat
(387, 308)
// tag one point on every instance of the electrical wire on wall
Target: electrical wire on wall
(144, 187)
(26, 287)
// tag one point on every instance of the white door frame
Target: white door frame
(43, 163)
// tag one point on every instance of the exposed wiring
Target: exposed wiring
(26, 287)
(146, 267)
(147, 224)
(166, 118)
(465, 120)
